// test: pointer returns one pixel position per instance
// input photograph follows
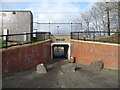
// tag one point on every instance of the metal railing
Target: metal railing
(97, 36)
(58, 28)
(23, 38)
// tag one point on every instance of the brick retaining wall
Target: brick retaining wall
(86, 52)
(26, 56)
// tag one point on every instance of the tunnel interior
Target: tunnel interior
(60, 51)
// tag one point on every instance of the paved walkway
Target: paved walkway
(82, 78)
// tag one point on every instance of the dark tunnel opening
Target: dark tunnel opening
(60, 51)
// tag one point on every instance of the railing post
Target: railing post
(71, 35)
(49, 35)
(36, 37)
(71, 27)
(25, 37)
(7, 38)
(44, 36)
(49, 26)
(31, 35)
(78, 35)
(93, 37)
(84, 38)
(6, 41)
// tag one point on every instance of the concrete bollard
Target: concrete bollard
(72, 60)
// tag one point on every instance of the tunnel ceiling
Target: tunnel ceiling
(60, 45)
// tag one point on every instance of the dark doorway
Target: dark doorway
(60, 51)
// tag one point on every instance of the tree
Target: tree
(86, 17)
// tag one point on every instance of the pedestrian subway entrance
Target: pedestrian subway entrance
(60, 50)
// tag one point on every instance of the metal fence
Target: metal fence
(23, 38)
(57, 28)
(97, 36)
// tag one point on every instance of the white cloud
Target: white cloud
(50, 12)
(57, 12)
(58, 0)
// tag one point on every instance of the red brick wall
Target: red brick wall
(26, 56)
(86, 52)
